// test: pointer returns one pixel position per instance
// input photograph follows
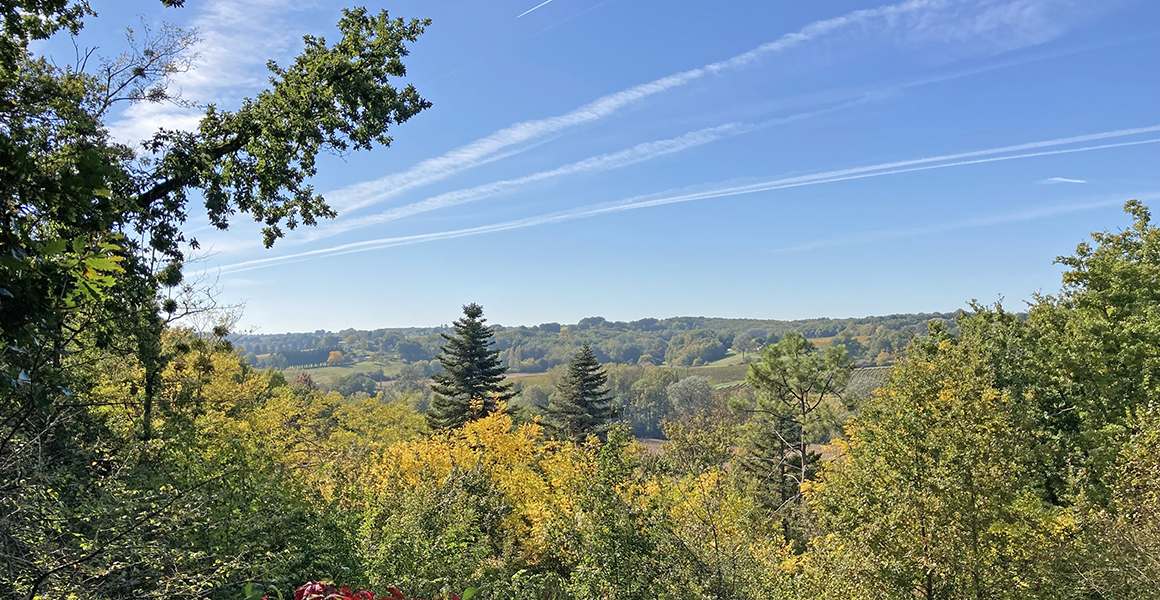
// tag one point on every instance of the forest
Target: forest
(678, 341)
(398, 363)
(146, 451)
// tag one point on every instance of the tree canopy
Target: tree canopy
(793, 381)
(103, 390)
(92, 228)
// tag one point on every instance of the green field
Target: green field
(329, 373)
(733, 358)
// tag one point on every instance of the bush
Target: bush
(325, 590)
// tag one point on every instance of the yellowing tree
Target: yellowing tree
(334, 358)
(928, 499)
(445, 507)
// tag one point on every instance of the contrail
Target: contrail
(832, 177)
(512, 138)
(632, 155)
(533, 8)
(506, 47)
(604, 162)
(635, 203)
(484, 149)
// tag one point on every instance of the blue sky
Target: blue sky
(633, 158)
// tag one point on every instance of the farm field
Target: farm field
(866, 380)
(733, 358)
(328, 373)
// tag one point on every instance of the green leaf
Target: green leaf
(105, 264)
(54, 247)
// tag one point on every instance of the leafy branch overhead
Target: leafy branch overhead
(259, 158)
(121, 213)
(92, 251)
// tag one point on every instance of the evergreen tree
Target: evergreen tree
(472, 380)
(772, 462)
(793, 380)
(582, 404)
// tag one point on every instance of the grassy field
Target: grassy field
(326, 374)
(544, 380)
(733, 358)
(718, 374)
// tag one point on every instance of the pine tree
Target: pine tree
(472, 380)
(792, 382)
(773, 463)
(582, 405)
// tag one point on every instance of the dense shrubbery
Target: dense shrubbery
(325, 590)
(1016, 458)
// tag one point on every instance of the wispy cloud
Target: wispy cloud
(1003, 24)
(533, 8)
(1055, 180)
(923, 20)
(604, 162)
(640, 202)
(238, 37)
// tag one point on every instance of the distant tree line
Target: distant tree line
(677, 341)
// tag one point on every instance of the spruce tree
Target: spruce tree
(472, 380)
(582, 405)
